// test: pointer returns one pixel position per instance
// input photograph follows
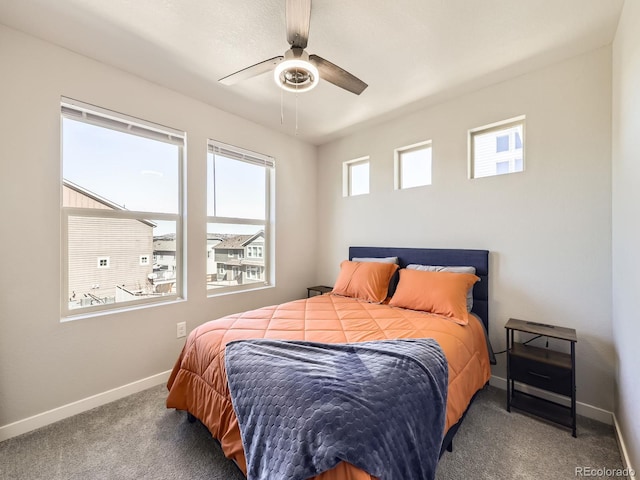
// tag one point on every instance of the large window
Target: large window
(413, 166)
(239, 219)
(121, 207)
(355, 177)
(497, 149)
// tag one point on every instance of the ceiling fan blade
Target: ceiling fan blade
(298, 14)
(336, 75)
(252, 71)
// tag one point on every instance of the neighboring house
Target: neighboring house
(164, 253)
(108, 258)
(239, 260)
(496, 153)
(164, 263)
(213, 239)
(509, 152)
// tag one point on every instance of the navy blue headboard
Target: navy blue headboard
(444, 257)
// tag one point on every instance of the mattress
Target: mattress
(198, 381)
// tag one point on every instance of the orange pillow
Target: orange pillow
(364, 280)
(442, 293)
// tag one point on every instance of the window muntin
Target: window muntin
(497, 149)
(356, 177)
(121, 194)
(239, 189)
(413, 165)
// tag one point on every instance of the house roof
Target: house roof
(92, 195)
(102, 200)
(164, 245)
(238, 241)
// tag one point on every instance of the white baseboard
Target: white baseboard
(583, 409)
(623, 448)
(42, 419)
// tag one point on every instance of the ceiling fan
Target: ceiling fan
(296, 70)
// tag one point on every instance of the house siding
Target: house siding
(122, 240)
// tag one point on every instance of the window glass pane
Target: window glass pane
(518, 165)
(237, 189)
(502, 143)
(129, 171)
(235, 255)
(498, 151)
(359, 178)
(502, 167)
(105, 260)
(415, 168)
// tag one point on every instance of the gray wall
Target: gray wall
(626, 226)
(46, 364)
(548, 228)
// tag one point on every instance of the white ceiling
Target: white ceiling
(412, 53)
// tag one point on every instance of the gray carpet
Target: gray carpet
(137, 437)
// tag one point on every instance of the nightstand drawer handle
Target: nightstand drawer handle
(539, 375)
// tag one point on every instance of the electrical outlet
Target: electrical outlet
(181, 329)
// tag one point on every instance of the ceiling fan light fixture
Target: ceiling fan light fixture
(296, 75)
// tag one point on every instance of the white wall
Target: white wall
(548, 229)
(626, 226)
(44, 363)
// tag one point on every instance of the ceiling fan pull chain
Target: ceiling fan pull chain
(296, 114)
(281, 107)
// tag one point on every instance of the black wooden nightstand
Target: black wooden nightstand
(542, 368)
(320, 289)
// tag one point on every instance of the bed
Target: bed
(198, 383)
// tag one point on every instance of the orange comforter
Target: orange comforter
(198, 382)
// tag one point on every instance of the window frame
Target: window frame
(397, 167)
(240, 154)
(494, 127)
(101, 117)
(347, 176)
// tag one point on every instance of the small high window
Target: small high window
(497, 149)
(355, 177)
(413, 166)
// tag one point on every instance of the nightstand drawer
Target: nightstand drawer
(542, 375)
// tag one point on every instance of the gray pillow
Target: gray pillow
(376, 259)
(437, 268)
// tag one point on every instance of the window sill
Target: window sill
(111, 311)
(218, 293)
